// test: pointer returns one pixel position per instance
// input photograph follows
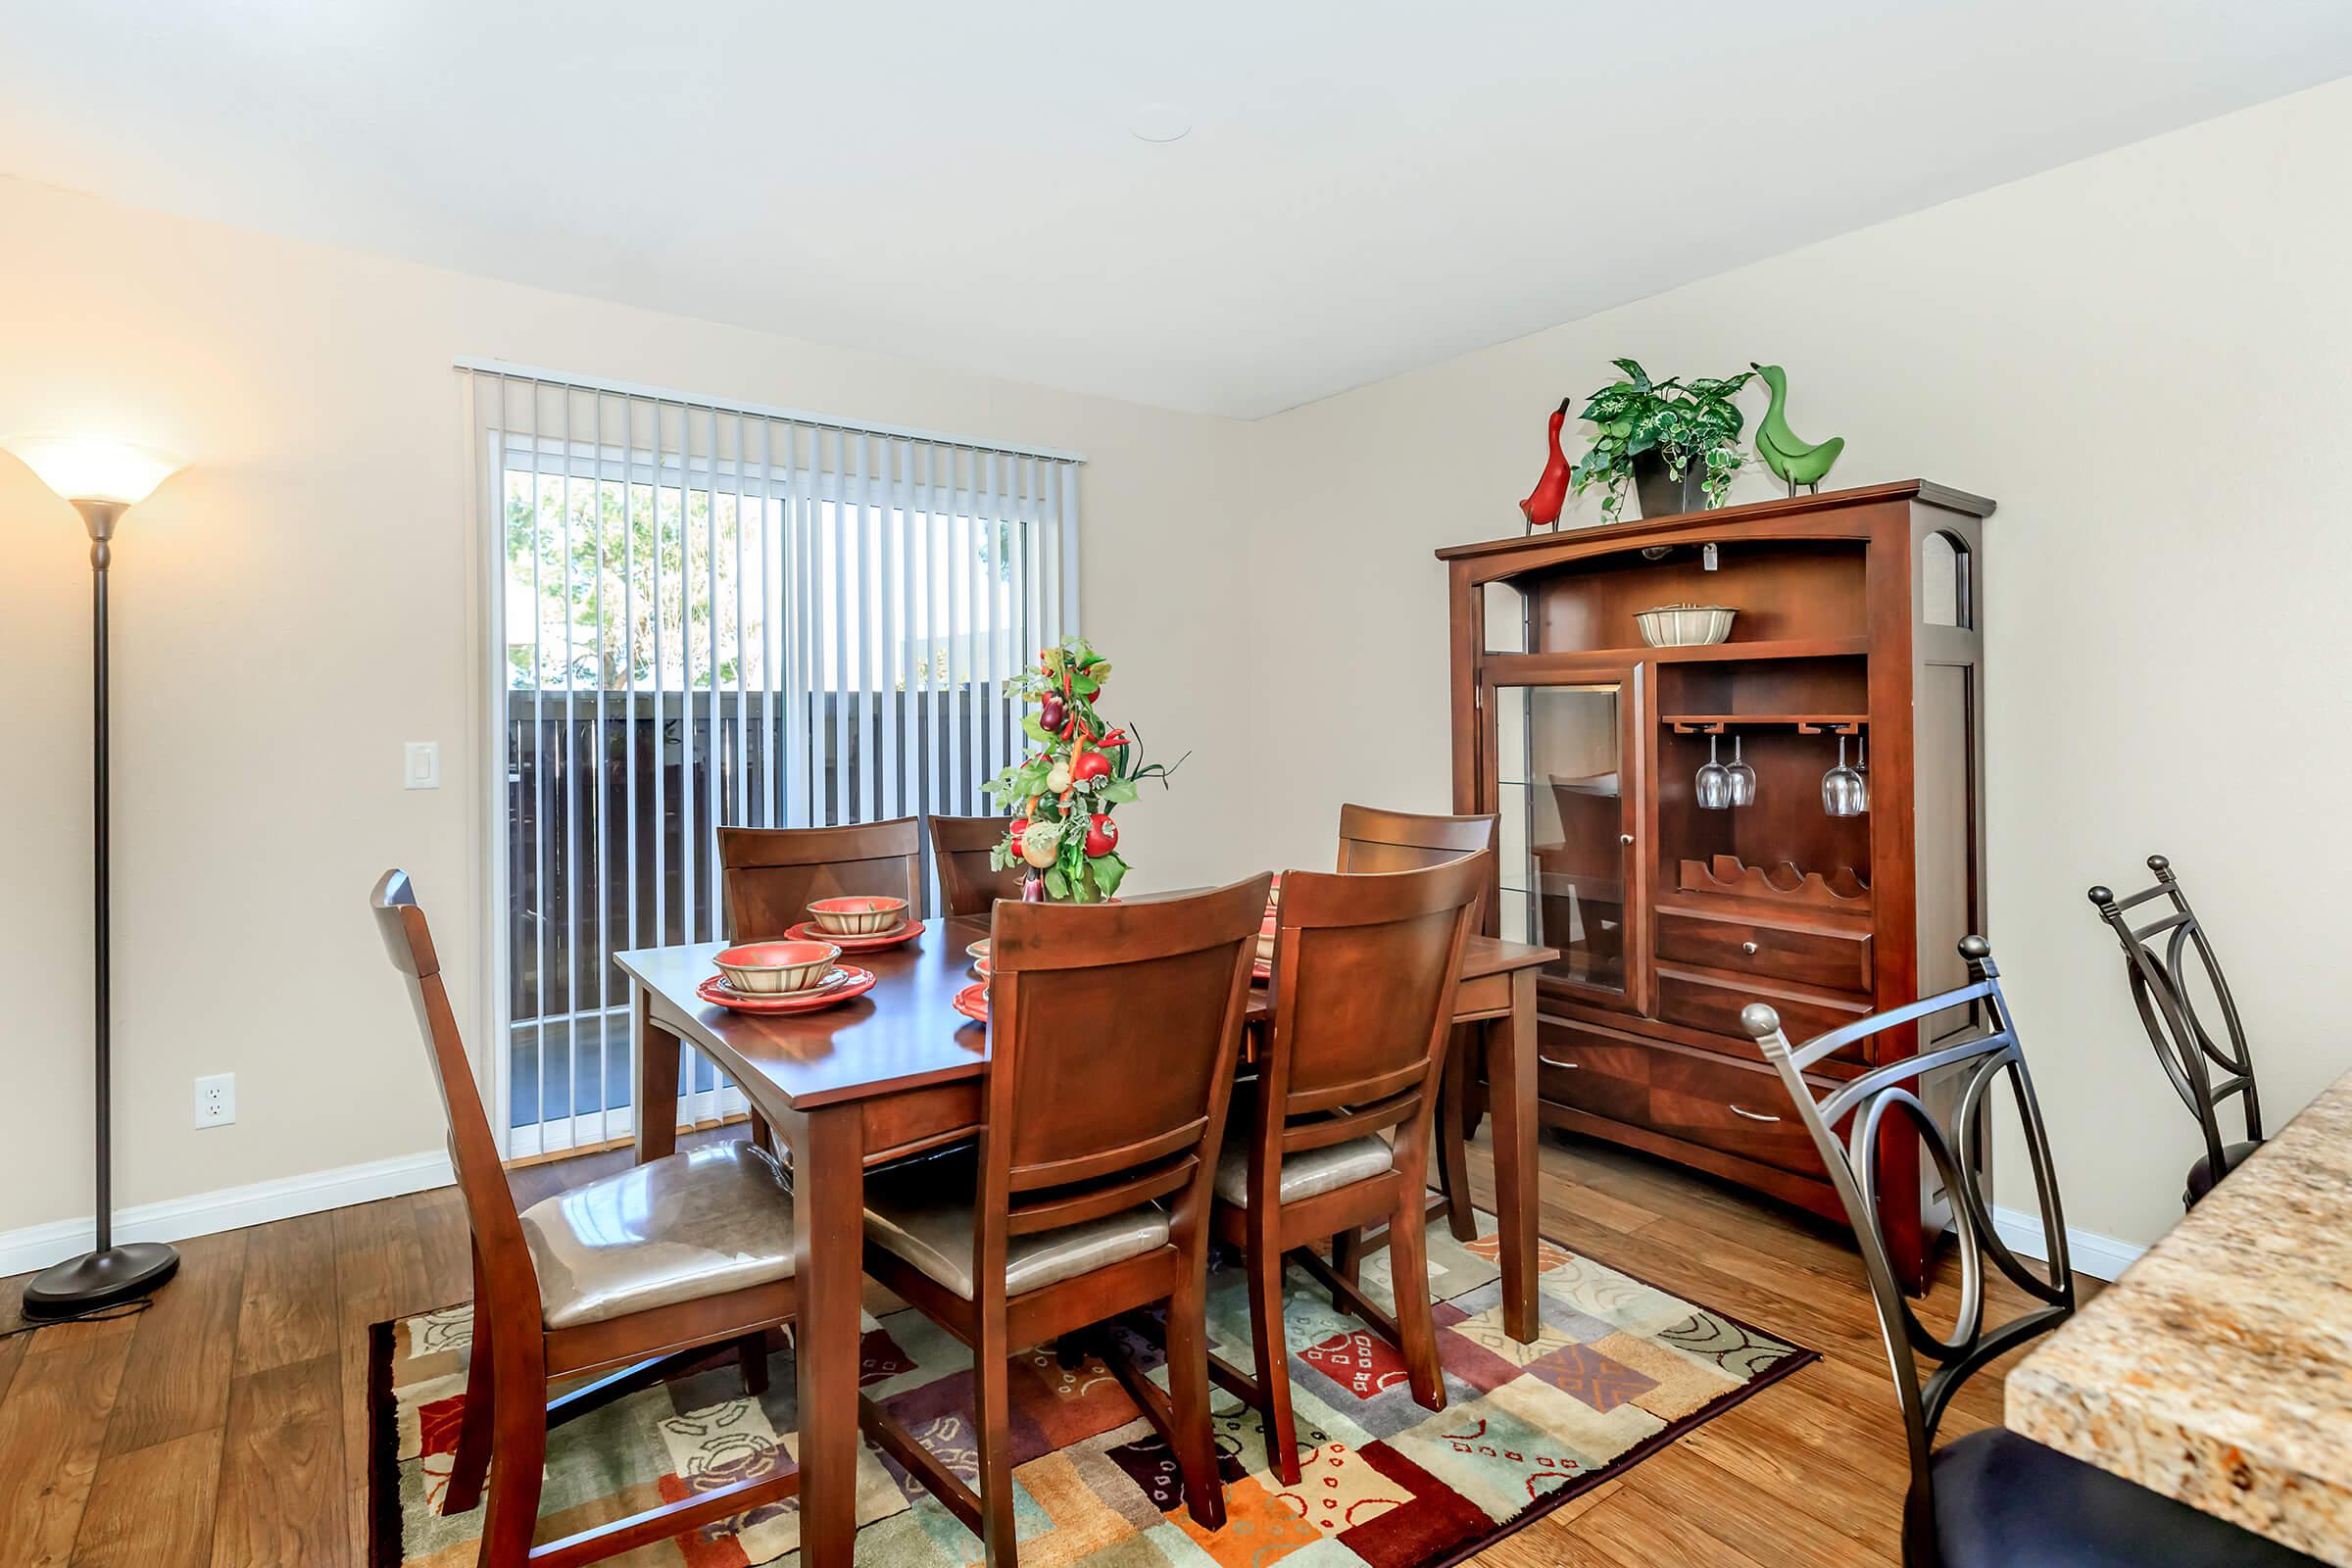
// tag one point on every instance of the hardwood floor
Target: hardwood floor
(226, 1426)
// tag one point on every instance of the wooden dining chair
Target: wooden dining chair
(961, 848)
(1113, 1033)
(774, 873)
(1365, 969)
(1991, 1498)
(2184, 1047)
(1375, 840)
(636, 1275)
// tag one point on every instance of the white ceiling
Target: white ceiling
(1369, 186)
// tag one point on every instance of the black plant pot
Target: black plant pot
(1662, 494)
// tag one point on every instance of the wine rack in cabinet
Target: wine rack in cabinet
(1790, 814)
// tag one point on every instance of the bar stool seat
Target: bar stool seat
(923, 1211)
(2201, 1177)
(686, 1226)
(2006, 1502)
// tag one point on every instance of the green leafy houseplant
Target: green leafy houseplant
(1062, 794)
(1682, 423)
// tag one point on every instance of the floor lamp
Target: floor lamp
(103, 479)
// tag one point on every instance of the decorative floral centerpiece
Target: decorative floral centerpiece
(1061, 796)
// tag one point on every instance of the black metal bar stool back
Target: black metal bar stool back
(2184, 1047)
(1990, 1498)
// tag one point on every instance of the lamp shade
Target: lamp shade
(83, 468)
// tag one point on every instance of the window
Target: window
(708, 615)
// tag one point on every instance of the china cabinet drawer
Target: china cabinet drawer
(1699, 1001)
(1730, 1105)
(1590, 1072)
(1838, 959)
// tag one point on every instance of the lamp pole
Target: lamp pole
(108, 1274)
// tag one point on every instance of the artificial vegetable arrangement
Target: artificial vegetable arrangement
(1061, 796)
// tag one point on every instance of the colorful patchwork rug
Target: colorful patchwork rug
(1620, 1369)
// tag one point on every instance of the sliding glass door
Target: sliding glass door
(707, 616)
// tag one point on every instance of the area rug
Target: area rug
(1620, 1369)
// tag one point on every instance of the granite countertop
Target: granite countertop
(2219, 1369)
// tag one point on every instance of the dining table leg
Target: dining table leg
(656, 1078)
(828, 1162)
(1511, 1082)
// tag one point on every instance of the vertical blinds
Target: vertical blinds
(709, 615)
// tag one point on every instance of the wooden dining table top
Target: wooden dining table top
(2219, 1369)
(895, 1037)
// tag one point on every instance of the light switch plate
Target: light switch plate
(421, 769)
(216, 1099)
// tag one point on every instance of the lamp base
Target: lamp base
(99, 1279)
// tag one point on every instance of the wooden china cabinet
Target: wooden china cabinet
(1857, 625)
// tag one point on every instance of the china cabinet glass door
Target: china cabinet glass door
(1566, 791)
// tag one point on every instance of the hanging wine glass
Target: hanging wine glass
(1743, 778)
(1842, 790)
(1714, 782)
(1861, 773)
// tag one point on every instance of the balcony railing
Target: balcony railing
(608, 815)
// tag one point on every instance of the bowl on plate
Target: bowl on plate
(860, 914)
(1684, 625)
(774, 968)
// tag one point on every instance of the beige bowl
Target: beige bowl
(775, 968)
(862, 914)
(1684, 625)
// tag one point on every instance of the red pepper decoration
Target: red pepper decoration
(1543, 502)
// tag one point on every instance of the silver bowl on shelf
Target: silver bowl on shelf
(1684, 625)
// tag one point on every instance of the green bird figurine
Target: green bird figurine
(1804, 462)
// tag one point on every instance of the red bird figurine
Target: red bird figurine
(1542, 504)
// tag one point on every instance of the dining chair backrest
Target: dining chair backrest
(481, 1177)
(1365, 969)
(1113, 1035)
(960, 847)
(1955, 1144)
(2160, 989)
(773, 873)
(1374, 839)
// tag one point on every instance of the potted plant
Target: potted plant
(1062, 794)
(1676, 442)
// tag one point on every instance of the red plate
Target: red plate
(807, 931)
(716, 989)
(972, 1002)
(835, 978)
(1262, 969)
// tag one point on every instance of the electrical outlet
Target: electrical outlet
(216, 1099)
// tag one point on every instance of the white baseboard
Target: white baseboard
(175, 1219)
(2102, 1257)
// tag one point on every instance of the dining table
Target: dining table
(897, 1070)
(2218, 1370)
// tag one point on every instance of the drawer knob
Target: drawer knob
(1751, 1116)
(1748, 948)
(1625, 838)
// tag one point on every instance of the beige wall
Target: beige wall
(301, 602)
(2147, 359)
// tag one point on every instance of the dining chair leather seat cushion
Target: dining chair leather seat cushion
(2201, 1175)
(923, 1211)
(2006, 1502)
(689, 1225)
(1305, 1174)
